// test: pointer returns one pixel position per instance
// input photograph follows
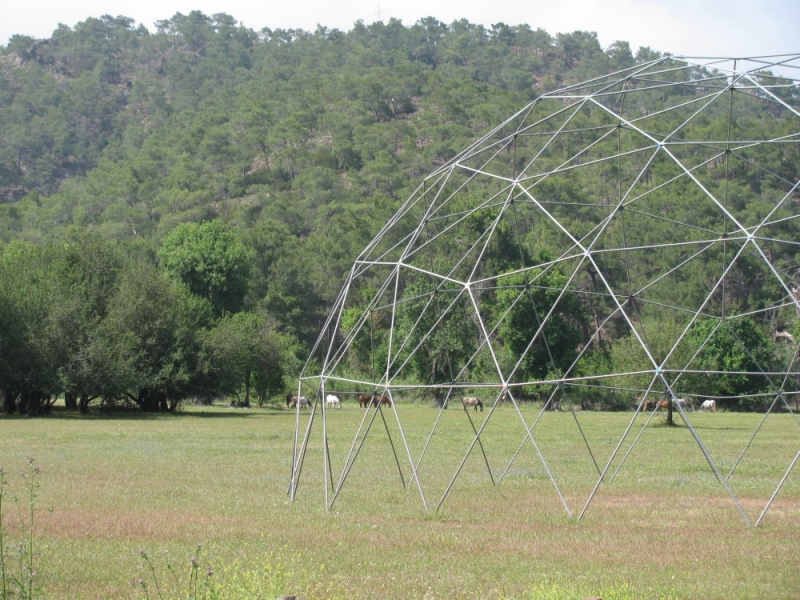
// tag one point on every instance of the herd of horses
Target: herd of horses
(683, 403)
(332, 401)
(367, 400)
(375, 400)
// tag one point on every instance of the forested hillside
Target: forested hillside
(178, 208)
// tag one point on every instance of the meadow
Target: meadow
(126, 501)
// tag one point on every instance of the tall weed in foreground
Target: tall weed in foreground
(18, 553)
(174, 586)
(269, 577)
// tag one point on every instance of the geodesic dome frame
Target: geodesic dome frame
(578, 220)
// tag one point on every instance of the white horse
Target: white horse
(709, 405)
(332, 401)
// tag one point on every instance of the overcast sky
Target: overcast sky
(733, 28)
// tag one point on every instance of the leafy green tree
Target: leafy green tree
(55, 296)
(441, 352)
(627, 356)
(211, 260)
(90, 270)
(242, 355)
(152, 335)
(733, 353)
(15, 349)
(526, 299)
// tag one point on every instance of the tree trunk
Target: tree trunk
(9, 401)
(30, 403)
(83, 404)
(246, 402)
(70, 401)
(148, 400)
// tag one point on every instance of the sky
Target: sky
(718, 28)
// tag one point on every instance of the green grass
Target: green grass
(663, 528)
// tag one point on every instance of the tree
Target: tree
(152, 340)
(242, 354)
(732, 353)
(14, 347)
(87, 270)
(437, 325)
(50, 320)
(628, 357)
(528, 299)
(211, 260)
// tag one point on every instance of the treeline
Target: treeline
(179, 208)
(93, 320)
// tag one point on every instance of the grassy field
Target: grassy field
(114, 484)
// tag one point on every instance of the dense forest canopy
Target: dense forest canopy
(170, 198)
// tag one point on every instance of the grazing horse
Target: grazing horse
(367, 400)
(471, 401)
(381, 400)
(332, 401)
(650, 405)
(663, 404)
(682, 403)
(709, 405)
(301, 401)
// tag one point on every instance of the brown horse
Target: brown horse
(649, 405)
(472, 401)
(367, 400)
(381, 400)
